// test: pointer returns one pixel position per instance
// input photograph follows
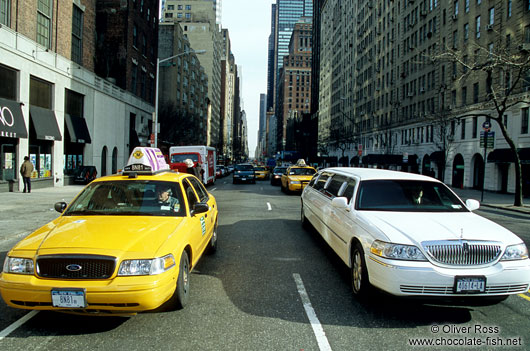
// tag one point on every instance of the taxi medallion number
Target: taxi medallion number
(71, 298)
(470, 285)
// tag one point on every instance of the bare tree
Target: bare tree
(505, 67)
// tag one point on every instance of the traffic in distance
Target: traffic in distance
(128, 242)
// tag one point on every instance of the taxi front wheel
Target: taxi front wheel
(182, 292)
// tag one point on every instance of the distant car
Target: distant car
(126, 244)
(244, 173)
(262, 172)
(220, 171)
(296, 178)
(85, 174)
(276, 175)
(410, 235)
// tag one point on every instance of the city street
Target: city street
(271, 285)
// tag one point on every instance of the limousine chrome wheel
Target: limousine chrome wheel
(359, 274)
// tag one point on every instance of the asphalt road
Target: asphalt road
(273, 286)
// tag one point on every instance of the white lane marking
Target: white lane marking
(322, 341)
(17, 324)
(213, 189)
(269, 206)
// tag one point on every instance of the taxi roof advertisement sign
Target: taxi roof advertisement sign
(149, 156)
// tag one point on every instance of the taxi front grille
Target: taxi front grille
(76, 266)
(463, 252)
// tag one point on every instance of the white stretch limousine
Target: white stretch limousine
(410, 235)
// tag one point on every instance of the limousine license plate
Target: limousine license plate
(69, 297)
(470, 285)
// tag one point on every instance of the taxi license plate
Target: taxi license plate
(71, 298)
(471, 285)
(243, 178)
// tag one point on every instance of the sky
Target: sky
(248, 23)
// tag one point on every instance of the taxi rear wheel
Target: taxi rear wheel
(182, 291)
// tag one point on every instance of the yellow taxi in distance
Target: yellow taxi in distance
(126, 244)
(261, 172)
(297, 177)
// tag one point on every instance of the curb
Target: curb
(523, 211)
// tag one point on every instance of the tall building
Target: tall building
(295, 79)
(407, 86)
(261, 149)
(198, 20)
(55, 108)
(228, 72)
(271, 59)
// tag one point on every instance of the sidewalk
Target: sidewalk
(494, 199)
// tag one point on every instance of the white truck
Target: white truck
(203, 157)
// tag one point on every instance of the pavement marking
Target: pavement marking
(17, 324)
(526, 297)
(213, 189)
(269, 206)
(322, 341)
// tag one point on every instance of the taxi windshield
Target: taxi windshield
(129, 198)
(260, 169)
(180, 158)
(302, 171)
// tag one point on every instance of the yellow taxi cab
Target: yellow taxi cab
(261, 172)
(297, 177)
(125, 244)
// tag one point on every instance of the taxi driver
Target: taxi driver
(165, 199)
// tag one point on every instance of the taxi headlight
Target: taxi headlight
(515, 252)
(18, 265)
(295, 182)
(146, 267)
(397, 251)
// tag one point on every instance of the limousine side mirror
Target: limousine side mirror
(340, 202)
(472, 204)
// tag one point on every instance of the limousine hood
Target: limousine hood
(417, 227)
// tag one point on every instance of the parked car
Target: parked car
(276, 175)
(244, 172)
(410, 235)
(85, 174)
(126, 244)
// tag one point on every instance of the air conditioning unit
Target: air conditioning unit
(454, 17)
(423, 13)
(422, 89)
(449, 107)
(489, 27)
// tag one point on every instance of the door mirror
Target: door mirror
(472, 205)
(200, 207)
(60, 206)
(340, 202)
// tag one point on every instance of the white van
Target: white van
(202, 156)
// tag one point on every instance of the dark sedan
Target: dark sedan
(244, 173)
(276, 175)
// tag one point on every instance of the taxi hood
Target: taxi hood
(115, 235)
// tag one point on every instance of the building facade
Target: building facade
(55, 109)
(413, 82)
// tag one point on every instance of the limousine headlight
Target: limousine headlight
(397, 251)
(515, 252)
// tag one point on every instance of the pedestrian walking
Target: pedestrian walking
(25, 170)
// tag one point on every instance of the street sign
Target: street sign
(486, 126)
(489, 137)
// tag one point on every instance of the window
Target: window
(477, 27)
(491, 15)
(455, 4)
(467, 6)
(188, 7)
(5, 7)
(475, 127)
(188, 15)
(464, 96)
(77, 35)
(466, 31)
(135, 36)
(509, 8)
(179, 15)
(462, 129)
(44, 17)
(134, 78)
(524, 120)
(8, 88)
(475, 93)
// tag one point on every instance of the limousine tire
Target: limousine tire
(359, 274)
(303, 218)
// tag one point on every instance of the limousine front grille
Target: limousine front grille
(76, 266)
(463, 252)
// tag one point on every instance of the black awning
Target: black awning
(344, 160)
(12, 123)
(77, 129)
(506, 155)
(354, 160)
(45, 124)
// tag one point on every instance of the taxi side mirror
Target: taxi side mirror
(200, 207)
(60, 206)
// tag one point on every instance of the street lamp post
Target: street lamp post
(158, 62)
